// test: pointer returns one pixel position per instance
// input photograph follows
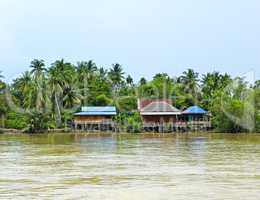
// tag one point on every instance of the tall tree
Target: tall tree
(129, 80)
(61, 76)
(189, 81)
(102, 72)
(1, 76)
(38, 68)
(25, 90)
(257, 84)
(86, 72)
(1, 82)
(212, 83)
(3, 107)
(38, 73)
(142, 81)
(116, 74)
(72, 97)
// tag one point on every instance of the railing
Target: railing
(206, 124)
(202, 123)
(93, 122)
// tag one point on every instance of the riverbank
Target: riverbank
(20, 131)
(72, 131)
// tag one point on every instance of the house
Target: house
(95, 118)
(197, 118)
(158, 113)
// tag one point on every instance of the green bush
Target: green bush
(129, 122)
(16, 120)
(38, 122)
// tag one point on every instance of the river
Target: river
(121, 167)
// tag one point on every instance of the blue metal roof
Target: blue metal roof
(194, 110)
(95, 113)
(97, 110)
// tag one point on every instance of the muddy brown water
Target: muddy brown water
(150, 166)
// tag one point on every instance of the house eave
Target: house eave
(160, 113)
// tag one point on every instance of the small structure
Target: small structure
(158, 115)
(95, 118)
(197, 118)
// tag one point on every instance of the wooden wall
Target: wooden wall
(157, 118)
(91, 119)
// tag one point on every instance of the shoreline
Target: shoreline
(4, 131)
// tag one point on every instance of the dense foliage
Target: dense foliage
(45, 97)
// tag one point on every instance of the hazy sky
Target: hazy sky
(145, 36)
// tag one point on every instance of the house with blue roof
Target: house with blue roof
(194, 110)
(197, 117)
(95, 117)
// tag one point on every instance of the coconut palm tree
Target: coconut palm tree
(72, 97)
(212, 86)
(86, 71)
(3, 107)
(210, 82)
(1, 82)
(190, 80)
(61, 76)
(142, 81)
(56, 84)
(66, 70)
(102, 73)
(214, 81)
(38, 74)
(189, 84)
(1, 76)
(116, 74)
(25, 90)
(38, 68)
(257, 84)
(129, 80)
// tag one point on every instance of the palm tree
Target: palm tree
(56, 84)
(86, 72)
(86, 69)
(116, 74)
(143, 81)
(25, 88)
(71, 97)
(102, 73)
(61, 77)
(257, 84)
(189, 87)
(38, 74)
(129, 80)
(190, 80)
(210, 82)
(66, 70)
(212, 85)
(214, 81)
(38, 68)
(3, 108)
(1, 76)
(1, 82)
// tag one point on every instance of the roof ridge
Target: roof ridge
(155, 107)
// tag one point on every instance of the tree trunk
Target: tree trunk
(57, 112)
(3, 121)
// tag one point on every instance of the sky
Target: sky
(144, 36)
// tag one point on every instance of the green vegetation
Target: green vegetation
(46, 97)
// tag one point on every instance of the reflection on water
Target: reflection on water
(68, 166)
